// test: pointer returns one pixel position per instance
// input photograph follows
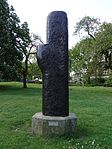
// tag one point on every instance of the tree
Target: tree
(104, 44)
(86, 60)
(93, 56)
(34, 71)
(13, 39)
(27, 52)
(82, 60)
(87, 25)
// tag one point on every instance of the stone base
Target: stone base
(53, 125)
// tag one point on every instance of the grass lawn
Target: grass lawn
(92, 105)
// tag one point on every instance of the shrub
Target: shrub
(108, 82)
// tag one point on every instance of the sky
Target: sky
(35, 12)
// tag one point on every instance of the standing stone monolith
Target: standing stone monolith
(53, 61)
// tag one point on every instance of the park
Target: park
(51, 96)
(92, 105)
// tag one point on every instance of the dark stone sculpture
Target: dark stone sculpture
(53, 61)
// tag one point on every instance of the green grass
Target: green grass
(92, 105)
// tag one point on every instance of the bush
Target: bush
(97, 82)
(108, 82)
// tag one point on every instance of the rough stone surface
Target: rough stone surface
(53, 61)
(51, 125)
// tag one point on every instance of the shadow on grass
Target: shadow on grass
(5, 87)
(18, 90)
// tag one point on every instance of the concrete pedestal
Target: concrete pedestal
(53, 125)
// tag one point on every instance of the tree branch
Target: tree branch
(91, 36)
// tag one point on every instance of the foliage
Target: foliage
(85, 60)
(92, 106)
(104, 44)
(34, 71)
(92, 55)
(108, 82)
(27, 52)
(13, 39)
(88, 25)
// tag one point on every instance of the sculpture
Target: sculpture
(53, 61)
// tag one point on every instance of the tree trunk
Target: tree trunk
(88, 78)
(25, 71)
(24, 79)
